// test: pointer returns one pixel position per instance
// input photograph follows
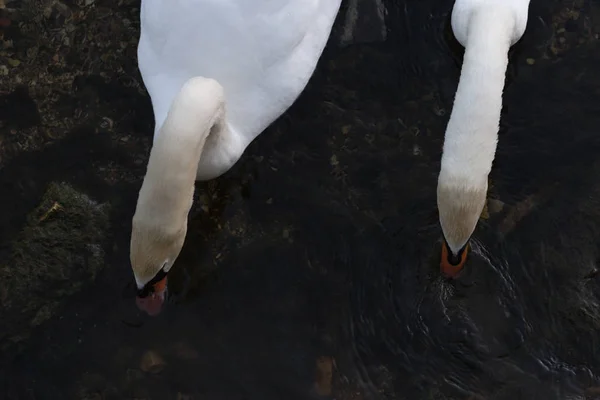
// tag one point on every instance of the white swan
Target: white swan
(487, 29)
(218, 73)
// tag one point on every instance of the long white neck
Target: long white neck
(196, 116)
(472, 131)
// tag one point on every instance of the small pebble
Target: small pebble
(495, 206)
(152, 362)
(333, 160)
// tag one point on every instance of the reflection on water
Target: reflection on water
(314, 261)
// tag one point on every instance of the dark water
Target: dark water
(313, 261)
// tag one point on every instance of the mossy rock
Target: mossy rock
(57, 253)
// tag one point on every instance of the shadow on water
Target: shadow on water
(314, 261)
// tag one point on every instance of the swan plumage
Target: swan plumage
(218, 73)
(487, 29)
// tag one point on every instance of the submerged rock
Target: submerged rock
(58, 251)
(152, 362)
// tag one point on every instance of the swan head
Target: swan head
(154, 249)
(460, 203)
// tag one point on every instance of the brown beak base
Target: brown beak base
(449, 269)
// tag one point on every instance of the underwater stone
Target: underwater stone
(55, 255)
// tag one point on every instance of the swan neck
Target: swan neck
(472, 131)
(167, 190)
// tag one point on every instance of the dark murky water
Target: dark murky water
(314, 260)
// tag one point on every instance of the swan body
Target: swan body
(218, 73)
(487, 29)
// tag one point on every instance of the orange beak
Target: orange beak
(152, 304)
(160, 286)
(448, 269)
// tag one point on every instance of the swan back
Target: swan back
(262, 52)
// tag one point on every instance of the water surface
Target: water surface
(314, 261)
